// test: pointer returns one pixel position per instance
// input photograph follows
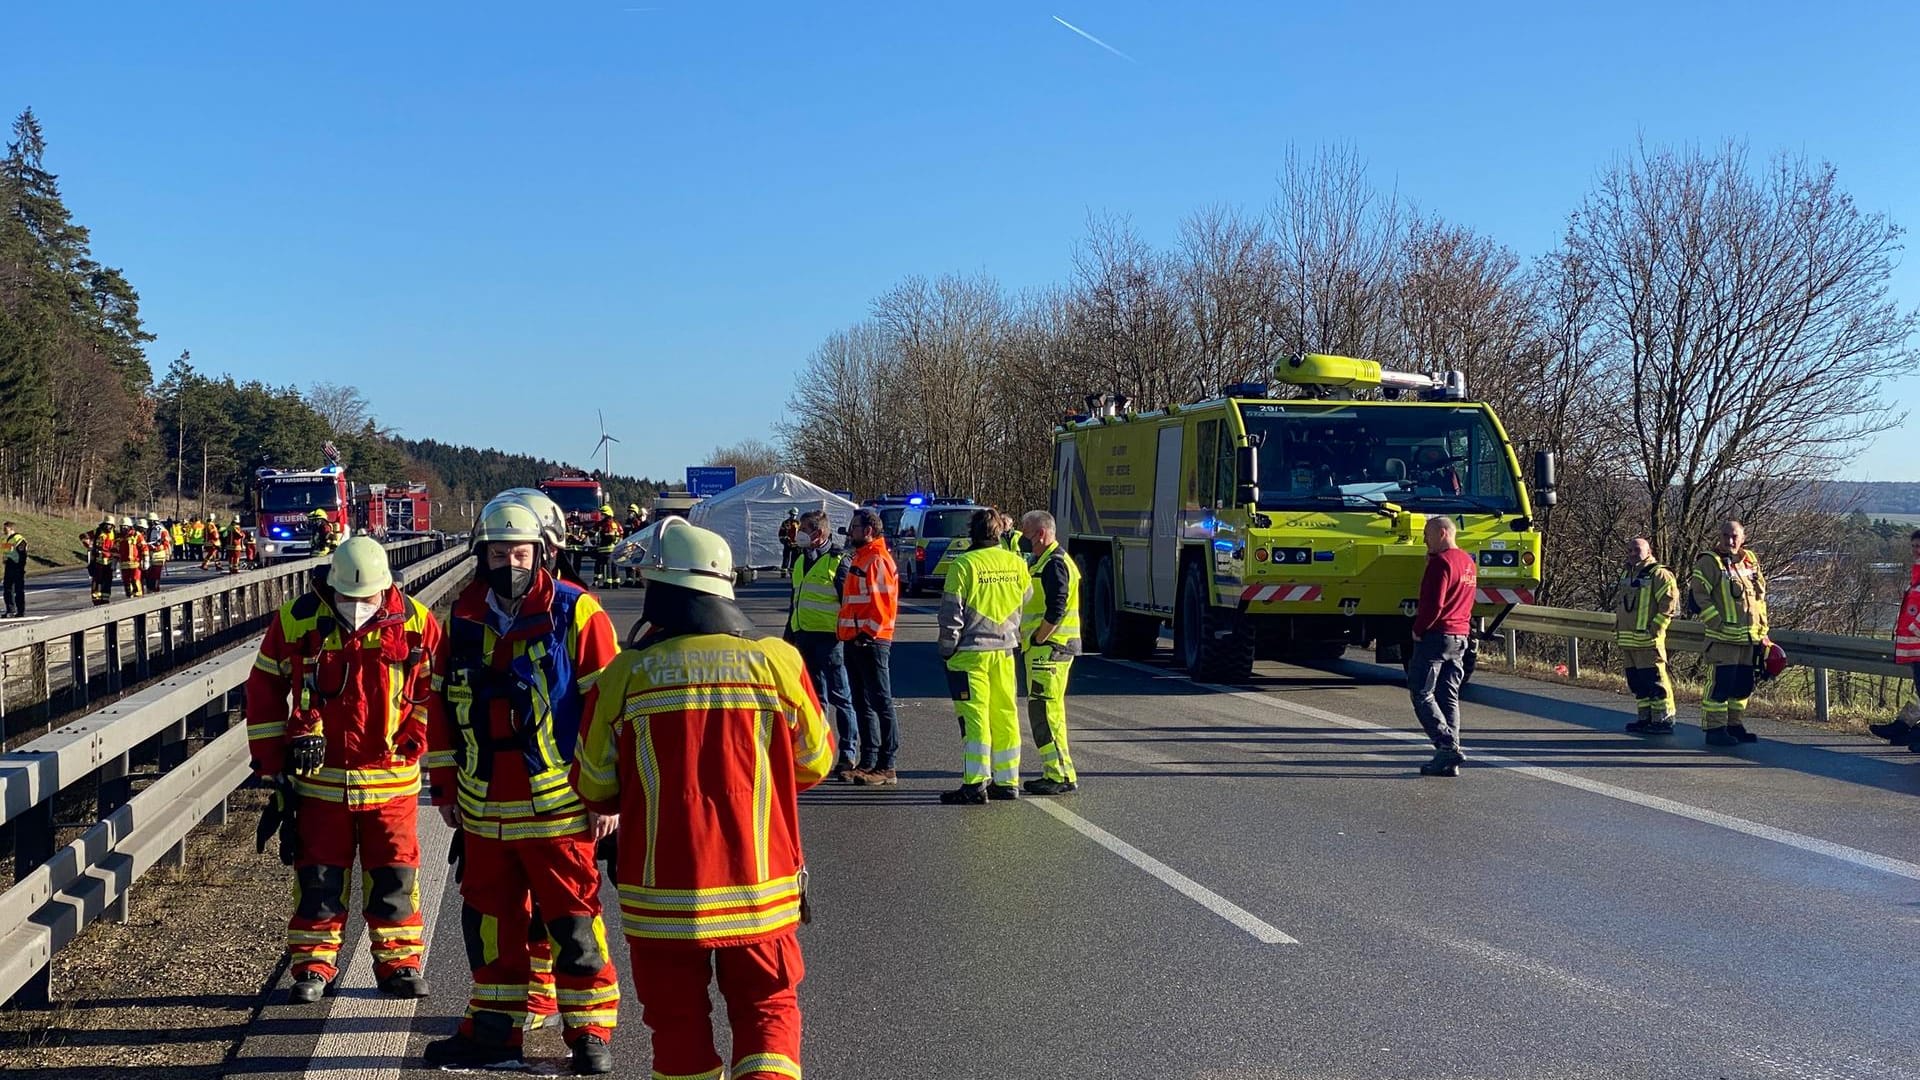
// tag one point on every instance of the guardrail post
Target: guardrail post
(1513, 650)
(115, 786)
(1573, 658)
(189, 632)
(142, 652)
(1820, 702)
(166, 635)
(112, 632)
(77, 663)
(33, 845)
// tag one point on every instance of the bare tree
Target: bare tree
(1337, 246)
(1744, 314)
(344, 408)
(749, 458)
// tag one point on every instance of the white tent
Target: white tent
(749, 514)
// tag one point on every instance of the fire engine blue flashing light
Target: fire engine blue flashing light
(1247, 390)
(917, 500)
(1223, 545)
(1323, 556)
(280, 531)
(331, 469)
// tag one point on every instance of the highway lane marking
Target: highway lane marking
(369, 1042)
(1787, 837)
(1262, 931)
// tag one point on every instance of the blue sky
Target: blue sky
(670, 204)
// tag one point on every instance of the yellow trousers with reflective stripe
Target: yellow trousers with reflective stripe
(983, 691)
(1047, 710)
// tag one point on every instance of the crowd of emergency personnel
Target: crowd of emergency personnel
(677, 761)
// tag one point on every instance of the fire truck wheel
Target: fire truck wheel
(1214, 644)
(1122, 635)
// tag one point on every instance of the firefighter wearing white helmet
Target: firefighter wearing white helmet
(721, 890)
(339, 704)
(522, 651)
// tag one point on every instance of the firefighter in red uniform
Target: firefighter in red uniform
(131, 550)
(521, 654)
(357, 662)
(100, 543)
(701, 739)
(237, 545)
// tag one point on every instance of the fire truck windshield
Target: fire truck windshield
(583, 499)
(288, 496)
(1341, 455)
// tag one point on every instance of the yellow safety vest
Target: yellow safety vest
(816, 603)
(1066, 634)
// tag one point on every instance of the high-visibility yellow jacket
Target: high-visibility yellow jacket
(1730, 593)
(1645, 601)
(1056, 599)
(816, 593)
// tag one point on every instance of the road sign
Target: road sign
(705, 480)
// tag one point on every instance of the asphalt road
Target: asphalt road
(61, 591)
(1255, 883)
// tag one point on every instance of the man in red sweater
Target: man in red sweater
(1440, 628)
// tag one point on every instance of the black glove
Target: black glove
(457, 854)
(306, 753)
(806, 908)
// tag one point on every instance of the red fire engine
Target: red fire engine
(285, 499)
(392, 511)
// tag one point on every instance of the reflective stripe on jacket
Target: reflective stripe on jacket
(1730, 593)
(815, 597)
(1047, 567)
(515, 704)
(1645, 601)
(701, 744)
(368, 692)
(981, 601)
(1906, 629)
(871, 603)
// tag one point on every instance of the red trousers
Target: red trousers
(386, 839)
(130, 581)
(761, 985)
(502, 882)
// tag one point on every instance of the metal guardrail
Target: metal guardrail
(90, 648)
(1821, 653)
(57, 894)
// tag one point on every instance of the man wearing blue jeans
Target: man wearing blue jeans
(869, 607)
(813, 624)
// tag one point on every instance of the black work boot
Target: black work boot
(1741, 734)
(1002, 792)
(1720, 736)
(1662, 726)
(1444, 763)
(308, 987)
(591, 1057)
(488, 1044)
(1048, 786)
(406, 982)
(1895, 731)
(965, 795)
(1643, 724)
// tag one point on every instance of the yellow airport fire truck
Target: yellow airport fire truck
(1288, 527)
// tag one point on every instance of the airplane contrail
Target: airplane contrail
(1095, 40)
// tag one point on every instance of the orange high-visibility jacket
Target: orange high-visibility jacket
(870, 603)
(1906, 630)
(368, 691)
(701, 743)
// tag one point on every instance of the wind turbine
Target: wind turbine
(604, 447)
